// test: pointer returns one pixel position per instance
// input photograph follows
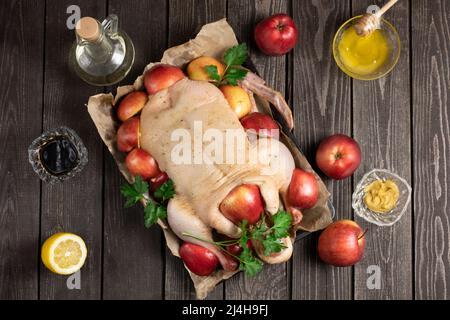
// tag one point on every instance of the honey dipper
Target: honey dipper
(370, 21)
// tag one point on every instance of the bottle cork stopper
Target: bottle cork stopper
(88, 29)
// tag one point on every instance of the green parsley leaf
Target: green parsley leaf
(140, 185)
(236, 55)
(212, 72)
(153, 212)
(234, 74)
(281, 223)
(270, 238)
(258, 232)
(166, 191)
(248, 263)
(131, 202)
(133, 193)
(272, 244)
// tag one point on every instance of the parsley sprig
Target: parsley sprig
(269, 237)
(134, 192)
(153, 211)
(233, 58)
(247, 261)
(165, 192)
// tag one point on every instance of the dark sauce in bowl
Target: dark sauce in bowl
(59, 156)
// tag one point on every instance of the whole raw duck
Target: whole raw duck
(187, 109)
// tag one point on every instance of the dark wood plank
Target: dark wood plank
(273, 281)
(76, 205)
(381, 125)
(321, 101)
(21, 56)
(431, 108)
(133, 256)
(185, 19)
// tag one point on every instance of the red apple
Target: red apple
(197, 259)
(131, 105)
(276, 35)
(244, 202)
(303, 190)
(128, 135)
(161, 77)
(262, 124)
(158, 181)
(141, 163)
(338, 156)
(236, 249)
(342, 243)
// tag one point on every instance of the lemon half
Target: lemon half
(64, 253)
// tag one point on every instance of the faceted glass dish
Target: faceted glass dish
(381, 219)
(35, 154)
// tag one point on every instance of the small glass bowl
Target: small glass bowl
(381, 219)
(34, 154)
(393, 39)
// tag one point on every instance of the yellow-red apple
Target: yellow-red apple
(131, 105)
(128, 135)
(161, 77)
(196, 69)
(238, 99)
(303, 190)
(342, 243)
(244, 202)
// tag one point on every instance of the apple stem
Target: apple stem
(280, 27)
(364, 233)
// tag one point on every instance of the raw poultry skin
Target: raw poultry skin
(200, 188)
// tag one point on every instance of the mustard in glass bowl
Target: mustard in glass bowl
(381, 197)
(366, 57)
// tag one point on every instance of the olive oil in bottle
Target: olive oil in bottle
(102, 54)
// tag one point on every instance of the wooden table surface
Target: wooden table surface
(401, 122)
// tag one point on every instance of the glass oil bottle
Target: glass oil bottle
(102, 54)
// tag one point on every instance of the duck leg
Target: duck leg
(186, 225)
(220, 223)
